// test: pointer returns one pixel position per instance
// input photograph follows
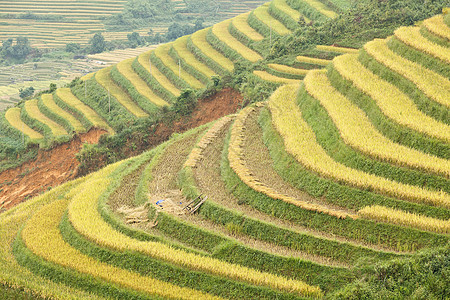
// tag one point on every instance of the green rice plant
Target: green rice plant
(437, 26)
(241, 25)
(198, 44)
(174, 70)
(388, 127)
(66, 96)
(433, 85)
(330, 138)
(394, 104)
(103, 77)
(336, 49)
(154, 78)
(411, 36)
(12, 115)
(48, 106)
(189, 62)
(42, 233)
(272, 78)
(313, 60)
(86, 219)
(419, 57)
(33, 112)
(286, 14)
(300, 142)
(221, 33)
(395, 216)
(357, 130)
(262, 21)
(288, 69)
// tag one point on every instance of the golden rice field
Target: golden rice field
(284, 7)
(104, 78)
(33, 112)
(272, 78)
(12, 115)
(263, 15)
(313, 60)
(240, 23)
(221, 32)
(288, 69)
(49, 102)
(437, 26)
(336, 49)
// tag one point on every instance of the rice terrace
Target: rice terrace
(284, 149)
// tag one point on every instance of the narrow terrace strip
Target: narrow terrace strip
(41, 234)
(300, 141)
(12, 115)
(394, 104)
(33, 111)
(199, 40)
(411, 36)
(435, 86)
(144, 60)
(47, 100)
(127, 71)
(181, 48)
(103, 77)
(357, 130)
(288, 69)
(86, 219)
(312, 60)
(336, 49)
(162, 53)
(244, 126)
(240, 23)
(272, 78)
(292, 13)
(437, 26)
(221, 32)
(322, 8)
(262, 14)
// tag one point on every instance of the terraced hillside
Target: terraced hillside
(139, 87)
(291, 198)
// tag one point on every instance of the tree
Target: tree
(73, 47)
(97, 43)
(25, 93)
(134, 39)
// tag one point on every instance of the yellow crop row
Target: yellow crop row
(237, 163)
(432, 84)
(400, 217)
(394, 104)
(240, 23)
(437, 26)
(196, 153)
(199, 40)
(41, 235)
(144, 61)
(322, 8)
(220, 30)
(86, 219)
(336, 49)
(272, 78)
(47, 100)
(300, 141)
(357, 130)
(125, 68)
(33, 111)
(18, 276)
(411, 36)
(12, 115)
(65, 94)
(180, 47)
(162, 52)
(284, 7)
(262, 13)
(287, 69)
(88, 76)
(103, 77)
(313, 60)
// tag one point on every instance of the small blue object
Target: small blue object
(159, 201)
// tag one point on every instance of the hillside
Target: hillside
(337, 186)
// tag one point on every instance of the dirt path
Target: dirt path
(49, 169)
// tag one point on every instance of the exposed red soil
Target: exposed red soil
(58, 165)
(49, 169)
